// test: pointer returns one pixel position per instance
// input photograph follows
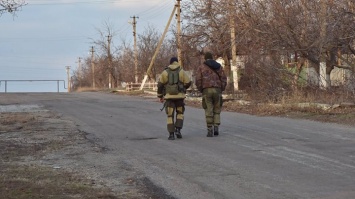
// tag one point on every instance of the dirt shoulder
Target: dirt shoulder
(342, 114)
(43, 156)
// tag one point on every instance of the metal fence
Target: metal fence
(8, 81)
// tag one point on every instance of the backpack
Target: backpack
(174, 85)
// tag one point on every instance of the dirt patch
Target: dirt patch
(42, 157)
(340, 115)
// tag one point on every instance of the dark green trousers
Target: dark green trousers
(211, 102)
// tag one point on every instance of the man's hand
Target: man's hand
(161, 100)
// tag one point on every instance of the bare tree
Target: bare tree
(292, 33)
(105, 62)
(206, 24)
(105, 45)
(207, 28)
(314, 30)
(147, 45)
(125, 62)
(277, 39)
(11, 6)
(122, 59)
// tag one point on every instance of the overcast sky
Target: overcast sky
(45, 36)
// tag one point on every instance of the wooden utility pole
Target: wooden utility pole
(79, 71)
(157, 50)
(68, 75)
(179, 47)
(93, 66)
(135, 48)
(109, 61)
(234, 68)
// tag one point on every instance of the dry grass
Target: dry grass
(28, 136)
(290, 108)
(87, 89)
(131, 93)
(31, 181)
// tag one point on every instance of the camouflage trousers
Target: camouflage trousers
(212, 103)
(175, 109)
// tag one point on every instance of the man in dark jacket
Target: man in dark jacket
(211, 81)
(172, 86)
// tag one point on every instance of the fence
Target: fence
(6, 81)
(136, 86)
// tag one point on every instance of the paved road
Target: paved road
(253, 158)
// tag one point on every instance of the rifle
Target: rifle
(164, 105)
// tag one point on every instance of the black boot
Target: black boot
(171, 136)
(178, 133)
(209, 132)
(215, 131)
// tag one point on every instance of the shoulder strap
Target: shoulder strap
(214, 72)
(173, 76)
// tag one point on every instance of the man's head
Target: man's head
(208, 55)
(173, 59)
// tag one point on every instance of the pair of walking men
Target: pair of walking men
(211, 81)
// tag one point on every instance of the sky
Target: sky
(48, 35)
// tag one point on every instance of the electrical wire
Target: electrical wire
(146, 14)
(156, 8)
(41, 2)
(154, 13)
(71, 3)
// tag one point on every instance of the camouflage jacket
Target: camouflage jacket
(163, 80)
(210, 75)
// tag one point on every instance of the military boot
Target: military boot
(171, 136)
(215, 131)
(209, 132)
(178, 133)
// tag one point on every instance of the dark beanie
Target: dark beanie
(173, 59)
(208, 55)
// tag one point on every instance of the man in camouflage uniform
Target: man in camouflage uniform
(175, 106)
(211, 81)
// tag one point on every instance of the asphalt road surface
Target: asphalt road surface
(252, 158)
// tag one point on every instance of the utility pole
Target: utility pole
(68, 75)
(79, 71)
(157, 50)
(93, 66)
(109, 61)
(134, 23)
(234, 68)
(178, 5)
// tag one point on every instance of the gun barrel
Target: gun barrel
(163, 106)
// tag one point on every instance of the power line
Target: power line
(155, 8)
(158, 12)
(72, 3)
(30, 68)
(28, 39)
(42, 2)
